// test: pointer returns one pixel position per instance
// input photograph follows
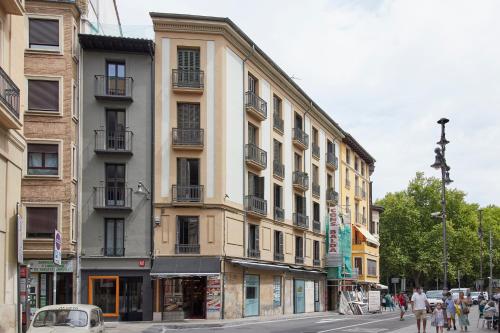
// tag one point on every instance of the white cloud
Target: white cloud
(386, 71)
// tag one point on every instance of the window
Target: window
(298, 121)
(114, 238)
(316, 211)
(188, 59)
(278, 190)
(41, 222)
(347, 183)
(276, 107)
(330, 148)
(74, 162)
(356, 182)
(278, 242)
(188, 171)
(43, 159)
(74, 223)
(277, 148)
(356, 212)
(255, 185)
(188, 115)
(43, 34)
(348, 156)
(277, 291)
(252, 84)
(253, 237)
(75, 101)
(356, 163)
(297, 162)
(362, 168)
(315, 139)
(316, 250)
(252, 134)
(372, 267)
(315, 170)
(115, 129)
(329, 181)
(187, 230)
(364, 216)
(115, 78)
(74, 41)
(358, 263)
(43, 95)
(347, 204)
(300, 204)
(299, 247)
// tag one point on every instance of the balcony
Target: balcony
(254, 253)
(279, 214)
(299, 260)
(315, 151)
(187, 138)
(360, 193)
(113, 88)
(300, 180)
(186, 80)
(114, 251)
(13, 7)
(255, 205)
(316, 262)
(316, 226)
(113, 198)
(300, 220)
(300, 138)
(187, 194)
(278, 123)
(278, 170)
(255, 105)
(187, 248)
(9, 102)
(332, 161)
(360, 219)
(279, 257)
(255, 156)
(332, 196)
(113, 142)
(316, 190)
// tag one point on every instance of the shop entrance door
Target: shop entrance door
(194, 293)
(300, 299)
(251, 295)
(130, 298)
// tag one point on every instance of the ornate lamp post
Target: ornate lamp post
(440, 163)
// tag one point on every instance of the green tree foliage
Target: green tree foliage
(412, 241)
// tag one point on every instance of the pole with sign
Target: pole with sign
(57, 260)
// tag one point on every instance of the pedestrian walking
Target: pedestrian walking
(419, 305)
(438, 318)
(463, 317)
(403, 304)
(449, 304)
(388, 301)
(384, 305)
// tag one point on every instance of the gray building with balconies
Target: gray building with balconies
(116, 160)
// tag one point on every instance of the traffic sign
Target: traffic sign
(57, 247)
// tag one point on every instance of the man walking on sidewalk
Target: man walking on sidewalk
(403, 304)
(419, 306)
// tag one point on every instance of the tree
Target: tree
(412, 241)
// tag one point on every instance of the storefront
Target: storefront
(40, 288)
(252, 295)
(125, 296)
(187, 288)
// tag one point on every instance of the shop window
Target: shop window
(43, 95)
(43, 159)
(44, 34)
(104, 293)
(41, 222)
(114, 238)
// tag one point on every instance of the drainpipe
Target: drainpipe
(152, 166)
(79, 177)
(243, 157)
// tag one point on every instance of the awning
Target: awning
(185, 266)
(258, 265)
(380, 286)
(369, 237)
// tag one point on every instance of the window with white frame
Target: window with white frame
(43, 34)
(43, 95)
(74, 162)
(41, 222)
(371, 267)
(75, 101)
(74, 223)
(43, 159)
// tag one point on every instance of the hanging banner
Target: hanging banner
(57, 247)
(20, 240)
(333, 258)
(213, 293)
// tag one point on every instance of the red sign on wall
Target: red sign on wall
(142, 263)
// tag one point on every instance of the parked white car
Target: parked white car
(67, 318)
(475, 296)
(434, 297)
(456, 291)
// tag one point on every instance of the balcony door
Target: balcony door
(188, 178)
(115, 78)
(298, 121)
(300, 205)
(255, 185)
(187, 234)
(115, 184)
(188, 62)
(115, 129)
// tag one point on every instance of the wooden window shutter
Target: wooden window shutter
(251, 184)
(188, 59)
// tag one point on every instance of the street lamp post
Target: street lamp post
(440, 163)
(481, 249)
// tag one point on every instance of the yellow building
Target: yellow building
(12, 146)
(246, 165)
(356, 166)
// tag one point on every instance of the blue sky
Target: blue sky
(386, 71)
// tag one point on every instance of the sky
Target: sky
(386, 71)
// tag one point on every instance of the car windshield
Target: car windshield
(434, 294)
(72, 318)
(475, 293)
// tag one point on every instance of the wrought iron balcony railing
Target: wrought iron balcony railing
(255, 155)
(279, 214)
(332, 196)
(112, 198)
(188, 78)
(187, 248)
(187, 137)
(257, 104)
(315, 150)
(278, 123)
(316, 262)
(113, 142)
(114, 251)
(256, 205)
(254, 253)
(300, 220)
(299, 260)
(300, 179)
(332, 161)
(278, 256)
(113, 87)
(9, 94)
(300, 137)
(187, 194)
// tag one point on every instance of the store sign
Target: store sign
(48, 266)
(213, 293)
(57, 247)
(20, 241)
(373, 301)
(333, 257)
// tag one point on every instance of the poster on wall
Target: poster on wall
(213, 293)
